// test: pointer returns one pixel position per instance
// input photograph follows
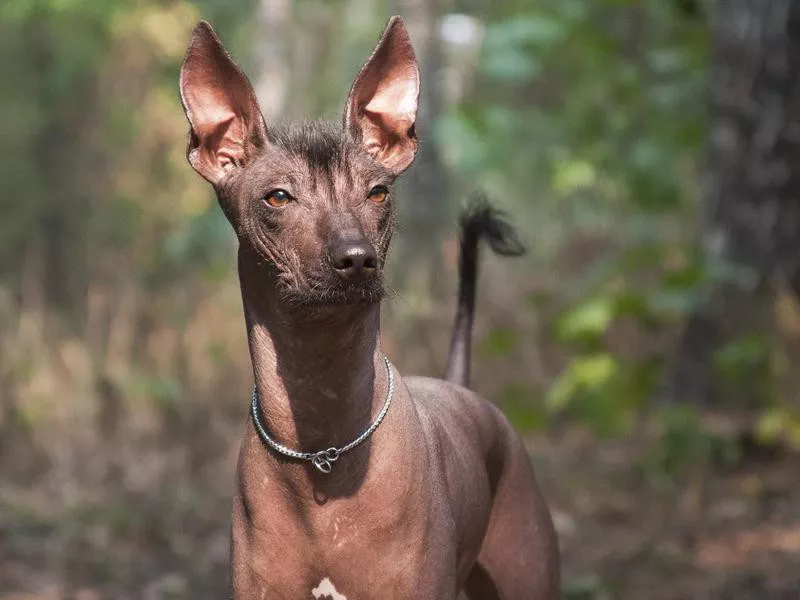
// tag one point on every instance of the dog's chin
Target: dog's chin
(336, 293)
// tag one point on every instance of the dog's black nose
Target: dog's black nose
(354, 260)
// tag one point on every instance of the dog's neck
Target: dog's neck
(318, 371)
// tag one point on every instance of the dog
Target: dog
(352, 483)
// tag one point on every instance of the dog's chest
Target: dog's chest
(353, 552)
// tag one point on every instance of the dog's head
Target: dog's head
(314, 201)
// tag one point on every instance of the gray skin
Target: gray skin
(441, 501)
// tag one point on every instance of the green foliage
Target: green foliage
(97, 170)
(587, 321)
(588, 587)
(499, 342)
(594, 111)
(683, 441)
(515, 400)
(779, 423)
(164, 392)
(686, 443)
(743, 358)
(510, 46)
(589, 117)
(585, 117)
(603, 391)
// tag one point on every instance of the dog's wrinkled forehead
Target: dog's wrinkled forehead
(324, 150)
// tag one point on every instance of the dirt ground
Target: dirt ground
(723, 533)
(728, 533)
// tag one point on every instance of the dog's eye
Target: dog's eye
(278, 198)
(378, 194)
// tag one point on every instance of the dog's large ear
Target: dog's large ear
(382, 106)
(219, 101)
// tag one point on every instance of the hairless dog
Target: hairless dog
(352, 482)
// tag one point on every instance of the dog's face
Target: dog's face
(314, 201)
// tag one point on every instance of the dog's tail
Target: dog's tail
(478, 221)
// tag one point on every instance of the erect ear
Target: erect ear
(382, 106)
(226, 122)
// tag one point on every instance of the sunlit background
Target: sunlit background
(645, 347)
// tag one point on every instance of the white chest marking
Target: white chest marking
(325, 589)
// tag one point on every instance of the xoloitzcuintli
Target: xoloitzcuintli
(352, 482)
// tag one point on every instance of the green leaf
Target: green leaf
(586, 373)
(561, 392)
(569, 176)
(770, 425)
(589, 319)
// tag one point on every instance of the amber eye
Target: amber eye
(378, 194)
(278, 198)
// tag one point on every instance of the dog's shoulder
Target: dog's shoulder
(441, 392)
(447, 405)
(440, 396)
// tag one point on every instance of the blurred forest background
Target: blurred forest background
(646, 347)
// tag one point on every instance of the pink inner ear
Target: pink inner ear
(386, 120)
(396, 95)
(386, 137)
(222, 131)
(221, 107)
(382, 106)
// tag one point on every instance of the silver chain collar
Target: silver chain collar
(324, 459)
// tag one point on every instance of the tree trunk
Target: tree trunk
(752, 213)
(272, 56)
